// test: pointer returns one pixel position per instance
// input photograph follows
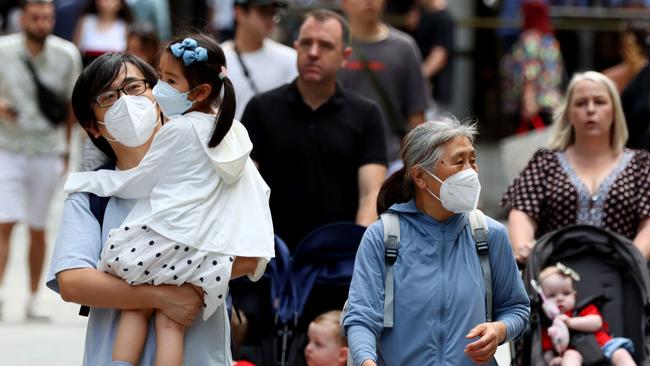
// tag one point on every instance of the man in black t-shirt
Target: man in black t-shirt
(320, 148)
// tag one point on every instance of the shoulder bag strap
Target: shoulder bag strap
(247, 74)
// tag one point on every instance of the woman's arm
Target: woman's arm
(76, 35)
(642, 238)
(96, 289)
(521, 229)
(363, 318)
(510, 303)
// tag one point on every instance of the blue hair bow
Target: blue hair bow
(189, 51)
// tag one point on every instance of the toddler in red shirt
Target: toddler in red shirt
(557, 285)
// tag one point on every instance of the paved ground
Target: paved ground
(25, 343)
(60, 343)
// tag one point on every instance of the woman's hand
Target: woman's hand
(521, 228)
(368, 363)
(523, 251)
(180, 303)
(491, 334)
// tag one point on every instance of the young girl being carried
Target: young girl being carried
(200, 199)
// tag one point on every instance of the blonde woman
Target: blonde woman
(587, 176)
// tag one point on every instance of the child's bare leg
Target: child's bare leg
(170, 338)
(621, 357)
(571, 358)
(131, 335)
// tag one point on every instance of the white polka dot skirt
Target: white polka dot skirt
(140, 255)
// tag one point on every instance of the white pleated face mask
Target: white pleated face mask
(131, 120)
(459, 192)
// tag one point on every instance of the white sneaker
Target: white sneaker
(35, 311)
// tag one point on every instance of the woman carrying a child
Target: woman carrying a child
(587, 176)
(439, 312)
(195, 186)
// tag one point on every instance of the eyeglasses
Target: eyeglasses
(108, 98)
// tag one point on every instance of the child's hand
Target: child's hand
(566, 319)
(557, 361)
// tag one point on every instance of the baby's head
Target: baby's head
(327, 344)
(557, 284)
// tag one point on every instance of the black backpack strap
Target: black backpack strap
(98, 208)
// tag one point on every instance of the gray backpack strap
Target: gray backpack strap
(391, 249)
(479, 227)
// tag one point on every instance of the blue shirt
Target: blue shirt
(439, 291)
(78, 245)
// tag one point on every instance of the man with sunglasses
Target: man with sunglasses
(33, 145)
(255, 62)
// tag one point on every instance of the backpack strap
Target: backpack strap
(97, 208)
(391, 249)
(98, 204)
(479, 227)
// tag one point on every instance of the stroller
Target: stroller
(610, 268)
(321, 271)
(261, 302)
(293, 291)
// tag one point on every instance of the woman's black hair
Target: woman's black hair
(96, 78)
(202, 72)
(395, 189)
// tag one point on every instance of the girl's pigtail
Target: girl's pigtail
(226, 114)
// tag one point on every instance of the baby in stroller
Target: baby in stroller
(557, 285)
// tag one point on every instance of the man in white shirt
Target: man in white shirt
(33, 143)
(256, 63)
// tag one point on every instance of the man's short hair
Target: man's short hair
(24, 3)
(322, 15)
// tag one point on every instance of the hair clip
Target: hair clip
(224, 73)
(189, 51)
(568, 271)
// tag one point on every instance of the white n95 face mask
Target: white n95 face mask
(459, 192)
(131, 120)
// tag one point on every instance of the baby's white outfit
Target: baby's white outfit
(197, 208)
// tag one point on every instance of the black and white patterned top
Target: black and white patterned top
(551, 193)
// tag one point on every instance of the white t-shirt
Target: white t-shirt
(92, 40)
(269, 67)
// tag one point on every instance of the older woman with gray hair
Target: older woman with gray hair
(587, 176)
(439, 304)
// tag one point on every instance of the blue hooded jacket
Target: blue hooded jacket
(439, 291)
